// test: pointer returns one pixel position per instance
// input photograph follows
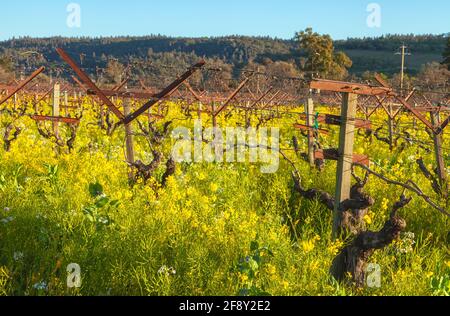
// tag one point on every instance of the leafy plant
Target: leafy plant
(2, 182)
(249, 269)
(440, 285)
(99, 211)
(16, 173)
(52, 171)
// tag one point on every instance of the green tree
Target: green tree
(115, 71)
(320, 55)
(341, 63)
(6, 69)
(434, 76)
(281, 70)
(447, 55)
(219, 77)
(4, 62)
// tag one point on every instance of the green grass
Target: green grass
(372, 60)
(224, 229)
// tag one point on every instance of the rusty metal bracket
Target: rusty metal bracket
(440, 129)
(88, 82)
(263, 96)
(121, 85)
(331, 154)
(336, 120)
(23, 84)
(348, 87)
(124, 94)
(191, 90)
(407, 105)
(391, 115)
(232, 96)
(79, 83)
(167, 91)
(310, 128)
(141, 82)
(68, 120)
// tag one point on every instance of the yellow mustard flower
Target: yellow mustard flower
(308, 245)
(214, 187)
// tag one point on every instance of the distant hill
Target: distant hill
(368, 54)
(378, 54)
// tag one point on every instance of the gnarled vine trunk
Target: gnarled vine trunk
(352, 260)
(354, 257)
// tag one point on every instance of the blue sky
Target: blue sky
(276, 18)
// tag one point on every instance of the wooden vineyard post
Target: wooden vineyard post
(199, 112)
(66, 103)
(246, 115)
(309, 109)
(414, 119)
(214, 117)
(102, 114)
(438, 140)
(129, 135)
(160, 108)
(55, 106)
(38, 100)
(391, 128)
(366, 112)
(344, 168)
(149, 115)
